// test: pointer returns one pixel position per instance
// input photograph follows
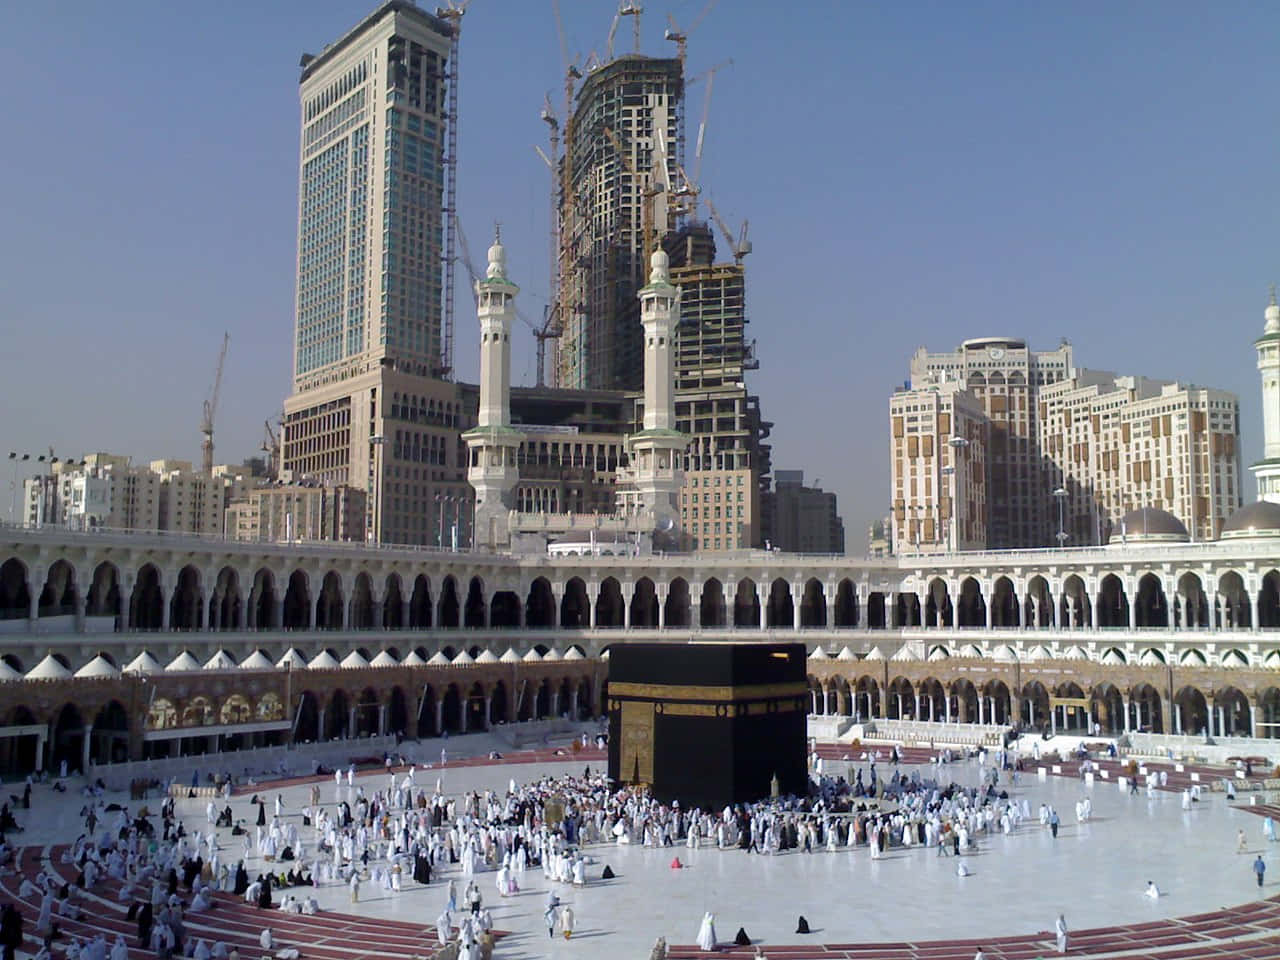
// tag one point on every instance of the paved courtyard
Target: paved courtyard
(1095, 873)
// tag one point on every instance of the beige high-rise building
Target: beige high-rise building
(292, 512)
(1048, 454)
(368, 407)
(938, 469)
(1119, 443)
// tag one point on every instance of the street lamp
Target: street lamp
(376, 442)
(957, 443)
(1063, 536)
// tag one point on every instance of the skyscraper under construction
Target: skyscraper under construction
(621, 141)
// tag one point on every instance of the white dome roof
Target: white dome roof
(510, 656)
(463, 657)
(573, 654)
(552, 654)
(939, 653)
(605, 655)
(221, 661)
(324, 660)
(99, 666)
(257, 661)
(50, 668)
(819, 654)
(354, 661)
(438, 658)
(292, 658)
(533, 656)
(875, 653)
(384, 659)
(183, 661)
(413, 660)
(8, 673)
(143, 663)
(846, 654)
(487, 656)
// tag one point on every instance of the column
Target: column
(463, 704)
(764, 609)
(981, 710)
(439, 715)
(899, 696)
(405, 607)
(1257, 608)
(1211, 605)
(1053, 720)
(1126, 714)
(1253, 716)
(34, 589)
(279, 613)
(319, 725)
(80, 605)
(918, 712)
(1177, 719)
(351, 723)
(1015, 709)
(813, 702)
(831, 609)
(40, 741)
(487, 606)
(797, 597)
(946, 706)
(573, 703)
(628, 592)
(592, 595)
(891, 611)
(84, 748)
(166, 605)
(346, 608)
(1031, 711)
(382, 719)
(662, 606)
(488, 702)
(990, 598)
(1222, 722)
(1131, 594)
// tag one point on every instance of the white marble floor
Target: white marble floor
(1094, 873)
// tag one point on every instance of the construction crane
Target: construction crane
(740, 246)
(710, 76)
(681, 39)
(451, 12)
(549, 329)
(649, 207)
(271, 447)
(562, 295)
(633, 10)
(210, 409)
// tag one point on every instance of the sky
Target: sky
(914, 174)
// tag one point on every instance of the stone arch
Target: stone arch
(269, 707)
(971, 607)
(866, 692)
(813, 604)
(1069, 718)
(362, 612)
(1269, 601)
(420, 604)
(938, 607)
(504, 610)
(846, 608)
(781, 610)
(997, 702)
(225, 607)
(1039, 608)
(542, 700)
(104, 593)
(712, 611)
(644, 604)
(1075, 608)
(1113, 657)
(575, 608)
(1267, 723)
(297, 602)
(1113, 602)
(900, 699)
(306, 726)
(427, 713)
(1106, 704)
(609, 604)
(109, 741)
(965, 697)
(262, 601)
(1192, 608)
(1004, 604)
(66, 745)
(337, 717)
(540, 606)
(585, 704)
(498, 706)
(186, 608)
(935, 705)
(1233, 602)
(198, 711)
(146, 603)
(746, 604)
(15, 595)
(1035, 704)
(877, 614)
(329, 604)
(1231, 713)
(1148, 712)
(451, 709)
(1151, 607)
(59, 596)
(676, 607)
(450, 607)
(235, 709)
(162, 714)
(908, 611)
(474, 611)
(392, 603)
(368, 713)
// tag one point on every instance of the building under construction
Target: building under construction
(620, 142)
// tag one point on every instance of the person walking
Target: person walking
(1060, 928)
(1053, 823)
(1259, 868)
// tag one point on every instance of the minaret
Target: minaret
(1267, 470)
(657, 451)
(492, 444)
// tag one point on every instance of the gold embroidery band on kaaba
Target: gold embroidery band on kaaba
(718, 694)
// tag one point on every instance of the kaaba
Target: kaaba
(707, 723)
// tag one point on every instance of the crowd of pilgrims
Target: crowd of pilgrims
(380, 835)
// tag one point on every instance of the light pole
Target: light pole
(1061, 494)
(376, 443)
(440, 499)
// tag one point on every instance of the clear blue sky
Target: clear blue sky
(914, 174)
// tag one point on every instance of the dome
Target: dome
(845, 654)
(552, 654)
(510, 656)
(292, 659)
(384, 659)
(463, 657)
(256, 661)
(221, 661)
(324, 660)
(486, 657)
(354, 661)
(659, 266)
(50, 668)
(183, 661)
(8, 673)
(573, 653)
(99, 666)
(1149, 525)
(413, 660)
(1257, 520)
(143, 663)
(438, 659)
(532, 656)
(819, 654)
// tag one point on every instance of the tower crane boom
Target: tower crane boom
(210, 409)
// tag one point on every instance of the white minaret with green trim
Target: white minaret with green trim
(1267, 470)
(492, 444)
(657, 451)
